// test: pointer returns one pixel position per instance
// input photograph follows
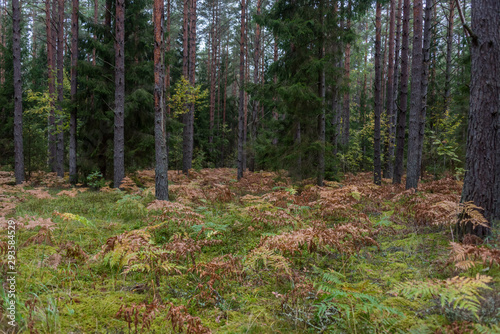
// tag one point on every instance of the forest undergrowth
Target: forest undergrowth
(262, 255)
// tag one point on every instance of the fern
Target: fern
(357, 305)
(458, 292)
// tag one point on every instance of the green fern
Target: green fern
(359, 305)
(458, 292)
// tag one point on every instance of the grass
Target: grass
(84, 295)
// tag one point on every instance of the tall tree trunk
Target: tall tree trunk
(73, 176)
(449, 50)
(255, 107)
(241, 110)
(211, 49)
(161, 175)
(426, 59)
(119, 135)
(322, 115)
(51, 44)
(412, 168)
(403, 96)
(60, 92)
(377, 173)
(18, 94)
(391, 116)
(347, 74)
(482, 163)
(167, 72)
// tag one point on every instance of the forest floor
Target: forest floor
(262, 255)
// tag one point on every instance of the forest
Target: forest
(220, 166)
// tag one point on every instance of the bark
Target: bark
(426, 54)
(449, 50)
(346, 103)
(403, 96)
(119, 136)
(161, 175)
(167, 72)
(51, 67)
(18, 98)
(255, 107)
(73, 176)
(482, 178)
(211, 74)
(412, 168)
(322, 115)
(391, 116)
(241, 110)
(60, 92)
(377, 174)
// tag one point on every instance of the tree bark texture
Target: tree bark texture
(73, 173)
(403, 95)
(60, 92)
(391, 115)
(482, 177)
(377, 173)
(119, 134)
(18, 97)
(161, 171)
(412, 168)
(241, 110)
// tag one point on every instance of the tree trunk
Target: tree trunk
(322, 115)
(51, 44)
(377, 174)
(119, 140)
(167, 72)
(426, 54)
(482, 178)
(161, 175)
(255, 107)
(346, 99)
(241, 110)
(18, 94)
(391, 116)
(412, 168)
(73, 174)
(60, 92)
(449, 50)
(403, 96)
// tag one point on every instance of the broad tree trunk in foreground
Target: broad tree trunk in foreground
(73, 176)
(377, 172)
(482, 179)
(161, 175)
(119, 140)
(18, 98)
(412, 168)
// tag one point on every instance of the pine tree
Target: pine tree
(18, 98)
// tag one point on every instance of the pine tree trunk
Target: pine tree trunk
(322, 115)
(346, 101)
(161, 175)
(426, 54)
(60, 92)
(241, 110)
(412, 168)
(73, 176)
(377, 174)
(403, 96)
(255, 107)
(18, 98)
(482, 178)
(51, 44)
(449, 50)
(391, 116)
(119, 135)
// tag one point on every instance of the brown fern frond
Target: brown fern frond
(464, 256)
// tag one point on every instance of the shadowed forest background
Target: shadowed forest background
(263, 166)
